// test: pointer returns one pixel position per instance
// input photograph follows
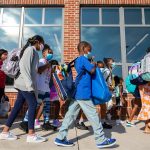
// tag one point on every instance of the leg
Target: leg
(69, 119)
(57, 109)
(90, 111)
(17, 107)
(40, 110)
(32, 105)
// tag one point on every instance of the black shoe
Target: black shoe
(81, 126)
(47, 126)
(106, 126)
(24, 126)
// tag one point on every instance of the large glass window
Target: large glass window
(147, 16)
(46, 22)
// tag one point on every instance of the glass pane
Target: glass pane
(33, 16)
(90, 16)
(51, 35)
(110, 16)
(137, 41)
(133, 16)
(11, 16)
(10, 37)
(105, 41)
(117, 71)
(147, 16)
(53, 16)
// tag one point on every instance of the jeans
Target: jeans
(30, 98)
(90, 111)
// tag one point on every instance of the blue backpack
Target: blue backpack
(129, 86)
(100, 90)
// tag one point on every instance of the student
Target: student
(54, 98)
(27, 90)
(3, 57)
(82, 99)
(119, 97)
(43, 80)
(101, 65)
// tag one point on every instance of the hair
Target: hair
(31, 41)
(82, 45)
(2, 51)
(107, 60)
(117, 80)
(100, 62)
(46, 46)
(148, 50)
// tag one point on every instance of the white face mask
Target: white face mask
(41, 47)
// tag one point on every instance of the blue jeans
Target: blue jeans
(30, 98)
(90, 111)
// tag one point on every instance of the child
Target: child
(82, 99)
(119, 97)
(54, 98)
(27, 89)
(3, 57)
(43, 79)
(101, 65)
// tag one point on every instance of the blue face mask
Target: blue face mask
(49, 57)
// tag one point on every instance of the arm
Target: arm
(121, 94)
(41, 69)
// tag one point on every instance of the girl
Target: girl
(27, 90)
(3, 57)
(54, 98)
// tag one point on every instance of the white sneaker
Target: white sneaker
(8, 136)
(118, 122)
(35, 139)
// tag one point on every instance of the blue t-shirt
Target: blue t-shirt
(83, 91)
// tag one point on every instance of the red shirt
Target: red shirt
(2, 77)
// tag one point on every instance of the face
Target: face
(39, 46)
(87, 50)
(100, 65)
(4, 56)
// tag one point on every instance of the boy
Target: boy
(82, 99)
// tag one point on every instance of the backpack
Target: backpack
(129, 86)
(135, 74)
(100, 90)
(11, 64)
(63, 81)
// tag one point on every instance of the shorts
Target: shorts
(43, 96)
(136, 93)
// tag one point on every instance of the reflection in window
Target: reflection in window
(133, 16)
(11, 16)
(147, 16)
(117, 71)
(51, 35)
(53, 16)
(110, 16)
(90, 16)
(33, 16)
(137, 41)
(105, 41)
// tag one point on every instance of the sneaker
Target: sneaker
(107, 143)
(37, 124)
(64, 143)
(130, 124)
(106, 126)
(81, 126)
(47, 126)
(56, 123)
(35, 139)
(8, 136)
(118, 122)
(24, 126)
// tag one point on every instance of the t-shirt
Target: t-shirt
(83, 91)
(108, 76)
(2, 76)
(43, 79)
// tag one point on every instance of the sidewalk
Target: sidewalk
(127, 139)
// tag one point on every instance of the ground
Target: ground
(127, 139)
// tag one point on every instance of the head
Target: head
(54, 63)
(47, 52)
(100, 64)
(148, 50)
(117, 80)
(85, 48)
(109, 62)
(37, 41)
(3, 54)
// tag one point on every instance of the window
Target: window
(147, 16)
(46, 22)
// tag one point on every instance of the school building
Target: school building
(115, 28)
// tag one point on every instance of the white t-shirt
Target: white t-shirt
(44, 78)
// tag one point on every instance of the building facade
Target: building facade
(115, 28)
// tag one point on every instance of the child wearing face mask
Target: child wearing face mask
(43, 80)
(26, 85)
(82, 100)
